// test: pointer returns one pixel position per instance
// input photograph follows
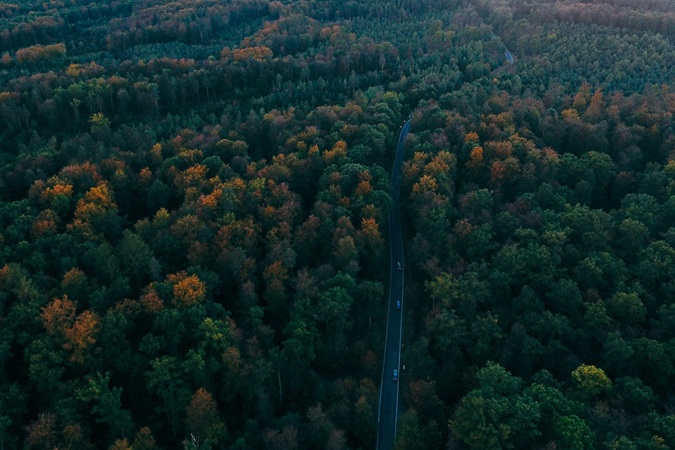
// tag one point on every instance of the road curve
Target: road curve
(387, 410)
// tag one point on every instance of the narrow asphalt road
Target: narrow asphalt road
(387, 411)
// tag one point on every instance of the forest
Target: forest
(194, 199)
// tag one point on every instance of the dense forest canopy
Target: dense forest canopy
(193, 223)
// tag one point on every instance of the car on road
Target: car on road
(398, 304)
(395, 377)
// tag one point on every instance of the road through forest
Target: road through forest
(387, 411)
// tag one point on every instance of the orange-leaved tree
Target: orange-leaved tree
(188, 290)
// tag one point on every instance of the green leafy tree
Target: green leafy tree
(497, 415)
(107, 405)
(165, 381)
(573, 433)
(413, 434)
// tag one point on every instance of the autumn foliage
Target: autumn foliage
(77, 333)
(194, 220)
(188, 290)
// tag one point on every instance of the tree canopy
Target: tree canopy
(193, 222)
